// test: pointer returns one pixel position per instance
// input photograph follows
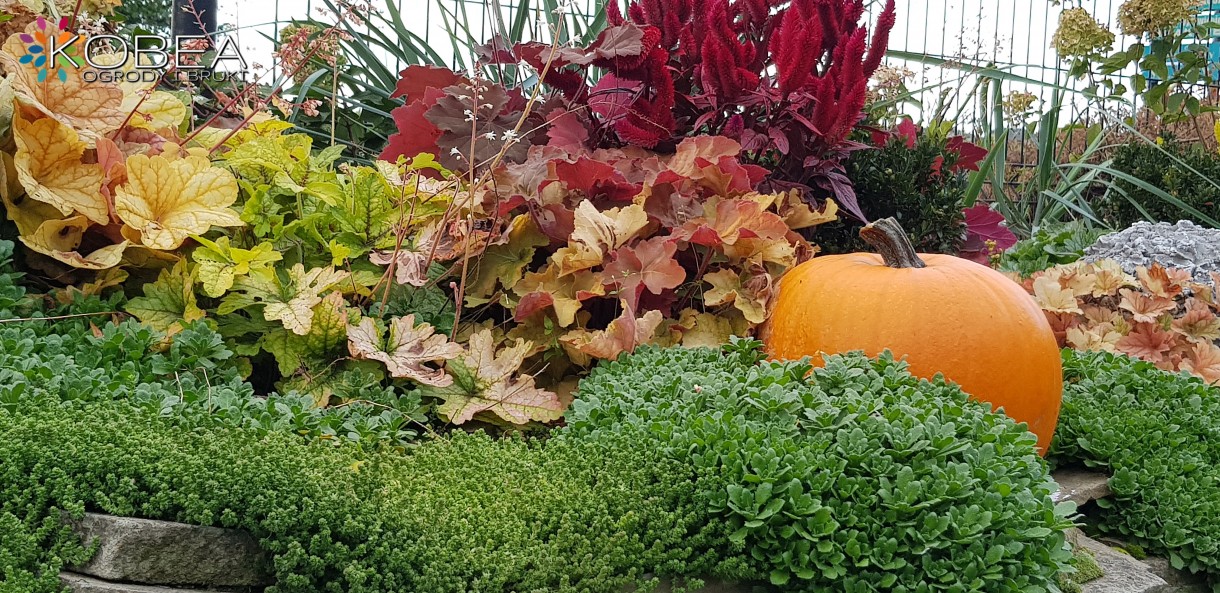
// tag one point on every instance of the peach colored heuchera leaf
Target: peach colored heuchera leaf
(1198, 323)
(597, 233)
(1163, 317)
(1204, 361)
(1147, 341)
(1163, 282)
(49, 165)
(1054, 298)
(169, 198)
(407, 351)
(1144, 308)
(489, 382)
(624, 334)
(646, 265)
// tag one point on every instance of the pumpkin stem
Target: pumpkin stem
(888, 238)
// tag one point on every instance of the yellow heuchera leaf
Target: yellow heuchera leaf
(49, 166)
(504, 264)
(749, 294)
(26, 213)
(90, 108)
(703, 329)
(562, 293)
(60, 239)
(158, 111)
(169, 199)
(151, 109)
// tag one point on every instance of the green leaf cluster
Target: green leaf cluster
(1050, 246)
(1156, 433)
(858, 477)
(193, 381)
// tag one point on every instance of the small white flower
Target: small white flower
(510, 135)
(455, 152)
(490, 135)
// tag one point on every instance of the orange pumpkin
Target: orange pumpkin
(944, 314)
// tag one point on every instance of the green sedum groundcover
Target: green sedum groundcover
(1158, 433)
(674, 463)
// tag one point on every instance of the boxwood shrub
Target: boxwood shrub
(1155, 164)
(1159, 435)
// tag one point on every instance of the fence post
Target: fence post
(194, 17)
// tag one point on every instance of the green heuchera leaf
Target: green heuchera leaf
(219, 263)
(169, 301)
(367, 216)
(319, 347)
(288, 298)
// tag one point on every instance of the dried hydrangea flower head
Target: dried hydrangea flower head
(1080, 35)
(1154, 17)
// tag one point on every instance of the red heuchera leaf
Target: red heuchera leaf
(907, 131)
(624, 45)
(415, 133)
(968, 155)
(983, 225)
(648, 265)
(452, 116)
(612, 97)
(593, 179)
(415, 80)
(567, 130)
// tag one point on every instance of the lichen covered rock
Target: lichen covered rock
(1184, 245)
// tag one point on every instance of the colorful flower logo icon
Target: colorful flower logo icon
(42, 49)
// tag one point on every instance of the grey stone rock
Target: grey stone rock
(1176, 578)
(1183, 245)
(1121, 572)
(77, 583)
(1080, 486)
(163, 553)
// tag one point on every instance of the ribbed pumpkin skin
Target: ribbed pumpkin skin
(956, 317)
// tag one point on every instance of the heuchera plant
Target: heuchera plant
(1159, 315)
(788, 83)
(591, 254)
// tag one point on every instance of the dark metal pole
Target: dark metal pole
(194, 17)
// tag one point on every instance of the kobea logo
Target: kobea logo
(50, 49)
(54, 49)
